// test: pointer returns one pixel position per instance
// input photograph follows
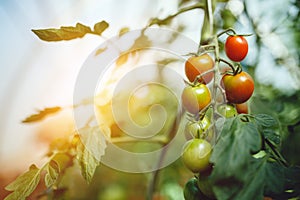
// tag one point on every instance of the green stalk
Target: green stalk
(208, 23)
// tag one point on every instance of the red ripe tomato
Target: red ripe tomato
(236, 47)
(195, 98)
(242, 108)
(238, 88)
(197, 65)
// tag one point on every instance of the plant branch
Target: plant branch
(170, 17)
(126, 139)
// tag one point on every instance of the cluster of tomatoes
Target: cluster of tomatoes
(236, 88)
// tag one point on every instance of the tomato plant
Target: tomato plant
(238, 87)
(196, 155)
(236, 47)
(225, 146)
(195, 98)
(196, 65)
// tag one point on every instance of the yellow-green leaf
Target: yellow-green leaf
(140, 42)
(87, 161)
(99, 51)
(123, 31)
(90, 148)
(24, 185)
(52, 173)
(63, 33)
(165, 21)
(41, 114)
(69, 32)
(100, 27)
(64, 160)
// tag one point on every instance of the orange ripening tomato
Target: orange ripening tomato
(238, 88)
(197, 65)
(242, 108)
(195, 98)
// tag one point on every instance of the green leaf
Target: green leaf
(93, 140)
(292, 177)
(237, 142)
(41, 114)
(236, 174)
(24, 185)
(274, 179)
(265, 120)
(282, 182)
(90, 148)
(272, 136)
(52, 173)
(100, 27)
(228, 18)
(268, 127)
(88, 163)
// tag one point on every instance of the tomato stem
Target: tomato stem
(205, 49)
(277, 155)
(182, 10)
(228, 63)
(126, 139)
(200, 77)
(226, 31)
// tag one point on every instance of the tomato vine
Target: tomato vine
(231, 153)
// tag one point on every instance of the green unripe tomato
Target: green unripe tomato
(196, 155)
(197, 129)
(195, 98)
(191, 190)
(227, 110)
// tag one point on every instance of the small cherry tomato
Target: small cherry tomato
(195, 98)
(196, 155)
(191, 190)
(236, 47)
(238, 88)
(242, 108)
(227, 110)
(197, 65)
(198, 129)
